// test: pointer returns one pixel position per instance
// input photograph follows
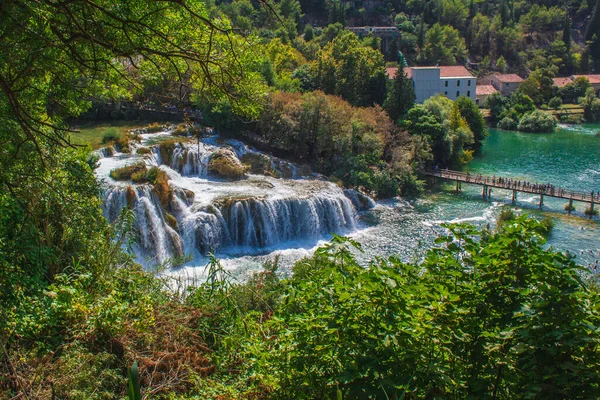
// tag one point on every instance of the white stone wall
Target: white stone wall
(427, 83)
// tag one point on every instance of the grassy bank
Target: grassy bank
(92, 132)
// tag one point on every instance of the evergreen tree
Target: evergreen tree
(401, 95)
(594, 24)
(567, 32)
(501, 64)
(309, 32)
(421, 33)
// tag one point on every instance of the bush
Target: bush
(111, 135)
(154, 128)
(506, 215)
(181, 130)
(589, 212)
(555, 102)
(537, 122)
(127, 172)
(443, 326)
(143, 150)
(507, 124)
(570, 118)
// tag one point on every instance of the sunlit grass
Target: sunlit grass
(92, 133)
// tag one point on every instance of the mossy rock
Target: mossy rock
(225, 164)
(128, 172)
(143, 150)
(257, 163)
(166, 148)
(172, 221)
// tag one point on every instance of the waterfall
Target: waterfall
(359, 200)
(191, 159)
(154, 237)
(202, 214)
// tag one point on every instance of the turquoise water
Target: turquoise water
(569, 158)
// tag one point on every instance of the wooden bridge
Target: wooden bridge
(516, 185)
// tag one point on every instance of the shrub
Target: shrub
(507, 124)
(442, 327)
(570, 118)
(154, 127)
(111, 135)
(555, 102)
(181, 130)
(537, 122)
(505, 216)
(126, 173)
(143, 150)
(588, 211)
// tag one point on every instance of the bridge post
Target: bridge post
(514, 196)
(570, 205)
(457, 185)
(541, 200)
(484, 192)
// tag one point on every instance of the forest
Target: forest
(486, 313)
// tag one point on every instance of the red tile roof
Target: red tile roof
(508, 78)
(391, 72)
(457, 71)
(484, 90)
(594, 79)
(562, 81)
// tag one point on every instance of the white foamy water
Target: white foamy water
(235, 219)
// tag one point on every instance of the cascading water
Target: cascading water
(203, 213)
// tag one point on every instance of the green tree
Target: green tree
(501, 64)
(309, 32)
(348, 68)
(443, 45)
(471, 113)
(539, 85)
(571, 92)
(401, 95)
(591, 105)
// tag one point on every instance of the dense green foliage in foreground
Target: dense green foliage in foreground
(485, 315)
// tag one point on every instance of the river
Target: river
(569, 158)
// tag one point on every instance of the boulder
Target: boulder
(225, 164)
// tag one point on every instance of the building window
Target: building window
(457, 83)
(508, 85)
(457, 93)
(468, 83)
(445, 93)
(468, 93)
(446, 83)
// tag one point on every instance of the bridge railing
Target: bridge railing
(487, 180)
